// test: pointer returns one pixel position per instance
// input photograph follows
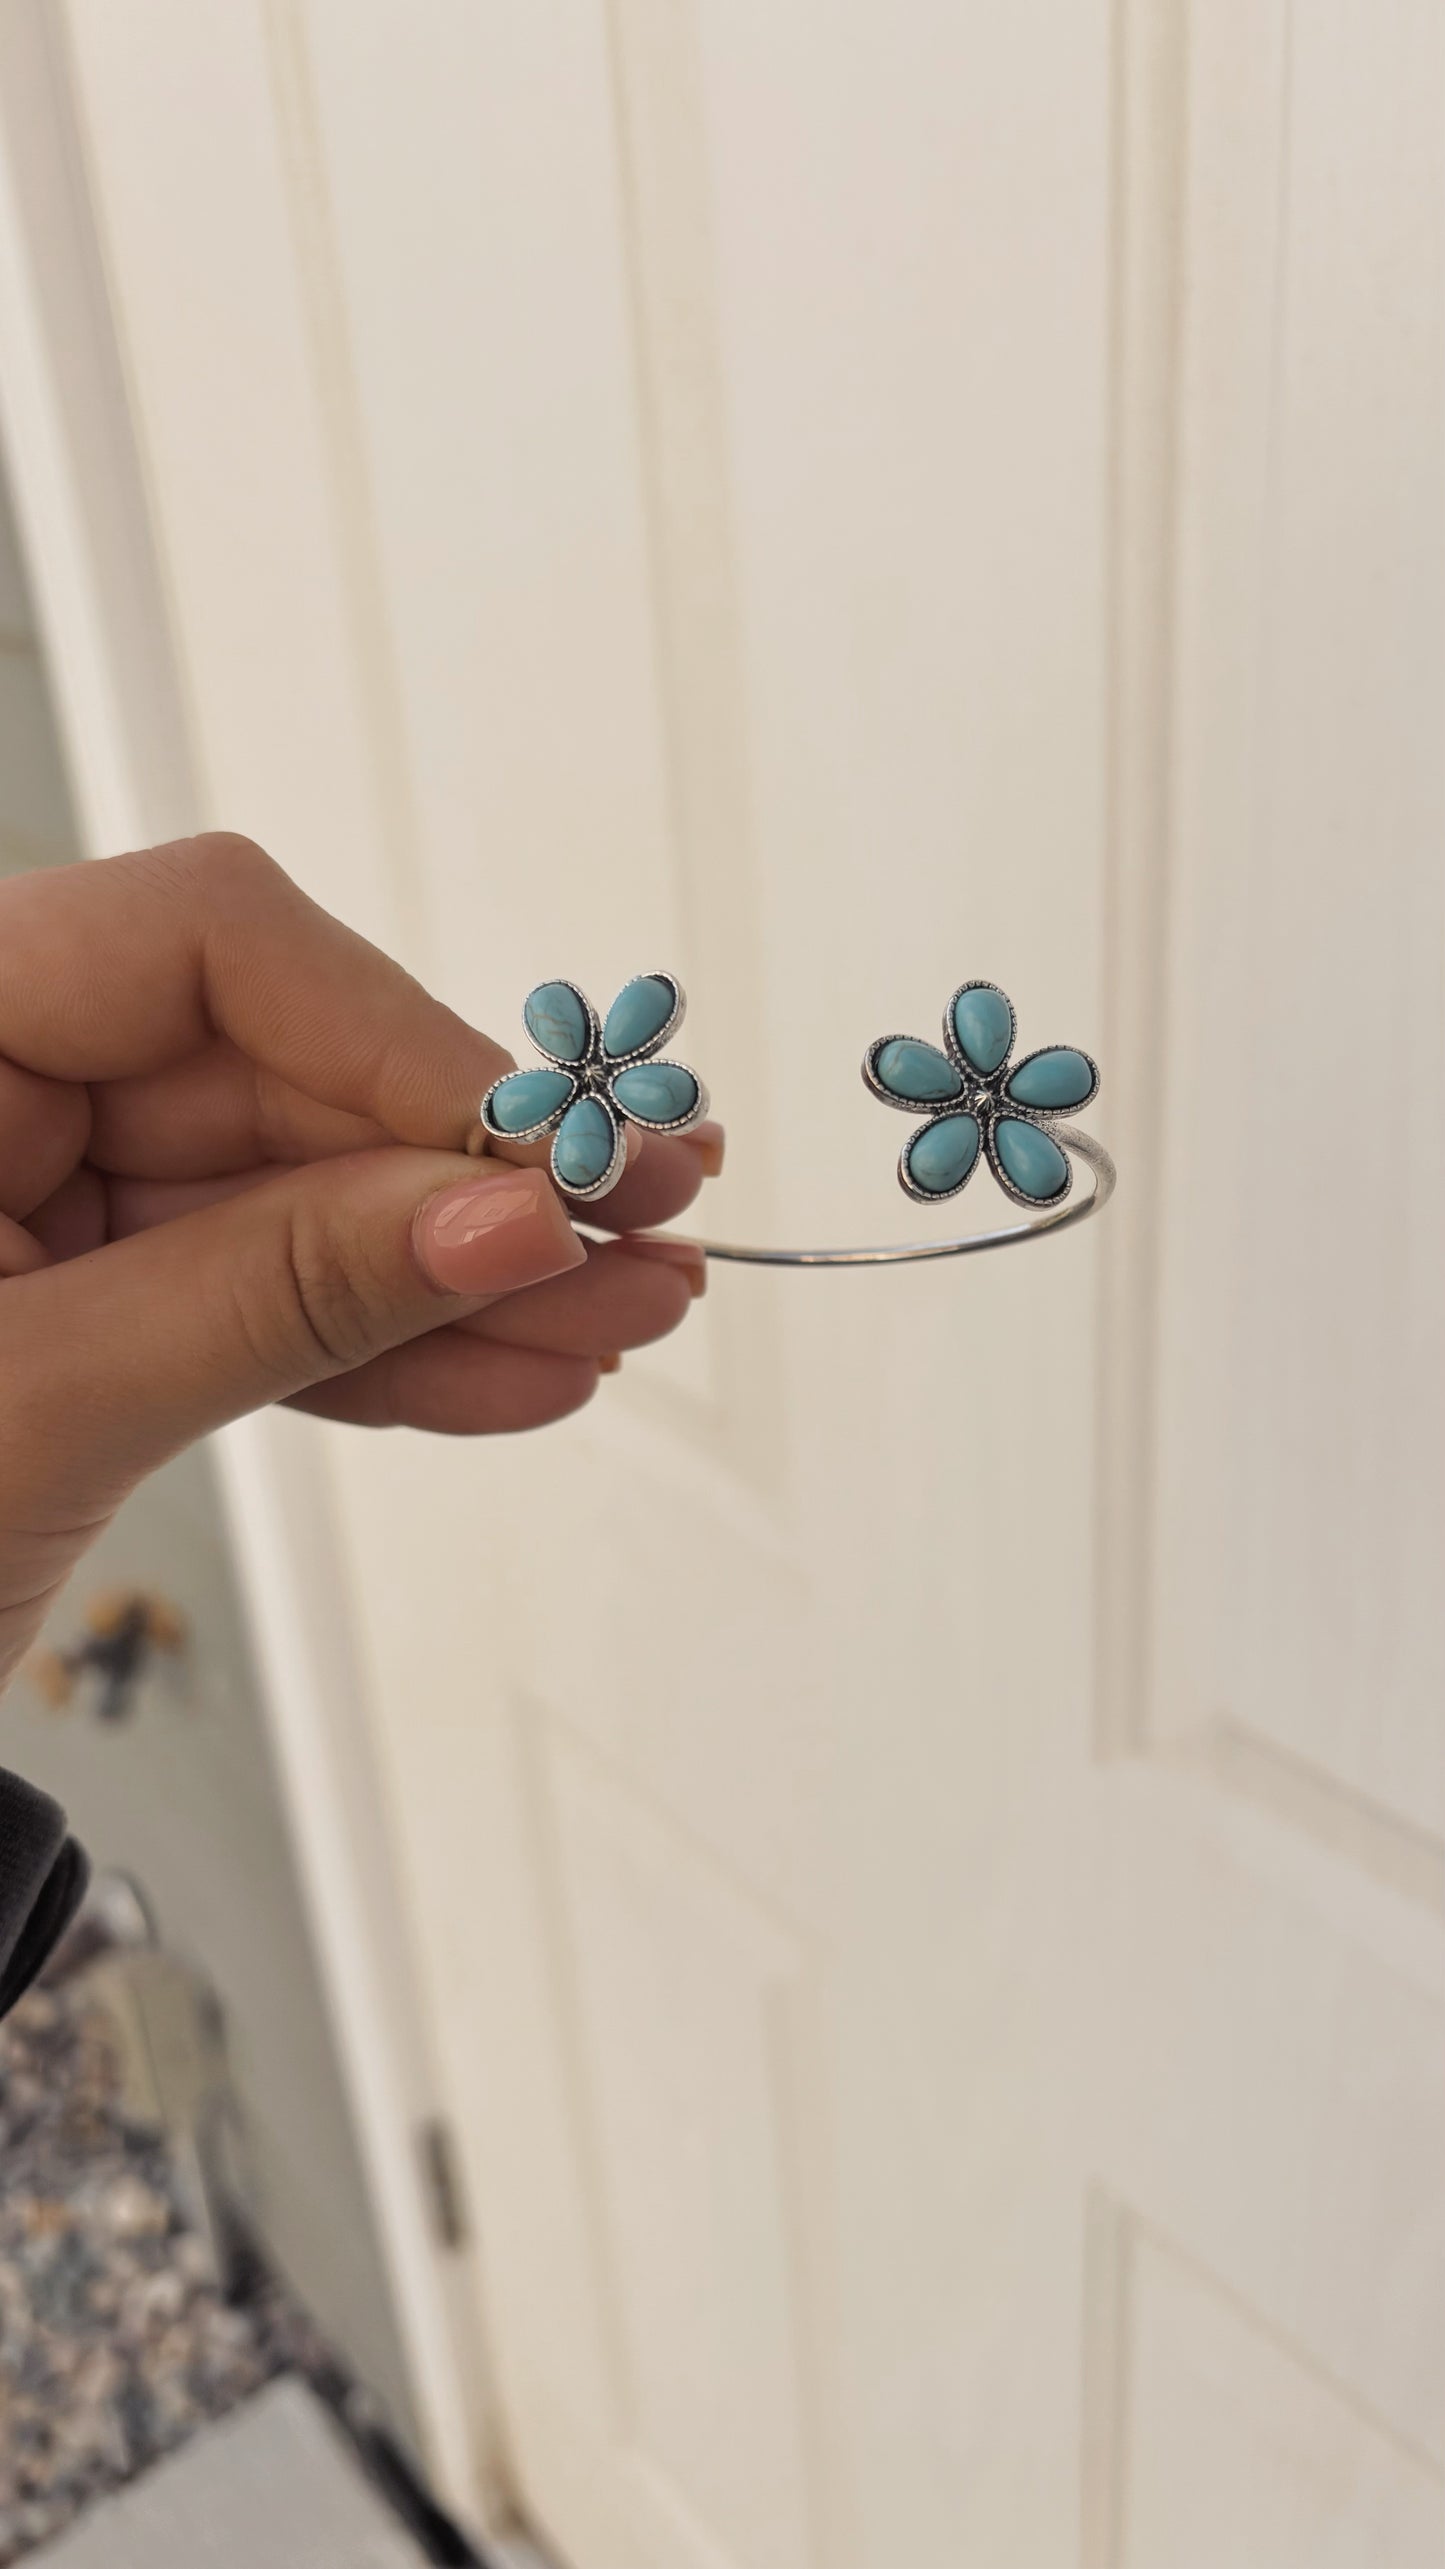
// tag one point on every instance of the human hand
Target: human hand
(234, 1169)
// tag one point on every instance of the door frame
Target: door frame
(81, 503)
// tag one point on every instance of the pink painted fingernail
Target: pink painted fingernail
(710, 1142)
(685, 1255)
(495, 1234)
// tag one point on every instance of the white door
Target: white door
(181, 1794)
(928, 1886)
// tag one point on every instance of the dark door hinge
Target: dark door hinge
(442, 2182)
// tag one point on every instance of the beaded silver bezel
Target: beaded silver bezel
(1015, 1194)
(650, 1050)
(1011, 1071)
(954, 1048)
(922, 1106)
(940, 1194)
(563, 1061)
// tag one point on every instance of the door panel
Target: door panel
(1241, 2450)
(1302, 1435)
(920, 1810)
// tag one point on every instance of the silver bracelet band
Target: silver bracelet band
(895, 1253)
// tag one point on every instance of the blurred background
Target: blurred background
(841, 1960)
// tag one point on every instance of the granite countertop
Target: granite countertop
(116, 2345)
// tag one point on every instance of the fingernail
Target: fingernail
(494, 1234)
(609, 1364)
(710, 1142)
(685, 1255)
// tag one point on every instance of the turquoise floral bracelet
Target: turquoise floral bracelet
(975, 1101)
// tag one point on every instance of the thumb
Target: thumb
(109, 1363)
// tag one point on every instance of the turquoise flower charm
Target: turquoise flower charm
(977, 1106)
(601, 1076)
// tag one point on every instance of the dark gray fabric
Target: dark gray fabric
(43, 1874)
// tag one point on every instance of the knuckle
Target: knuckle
(217, 877)
(307, 1305)
(335, 1308)
(227, 855)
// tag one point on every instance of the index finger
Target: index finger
(120, 967)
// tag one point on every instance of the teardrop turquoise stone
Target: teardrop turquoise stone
(940, 1157)
(527, 1097)
(586, 1140)
(1032, 1159)
(983, 1023)
(637, 1015)
(917, 1071)
(1059, 1078)
(556, 1020)
(656, 1092)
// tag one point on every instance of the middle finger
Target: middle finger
(627, 1295)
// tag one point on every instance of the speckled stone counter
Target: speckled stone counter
(115, 2346)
